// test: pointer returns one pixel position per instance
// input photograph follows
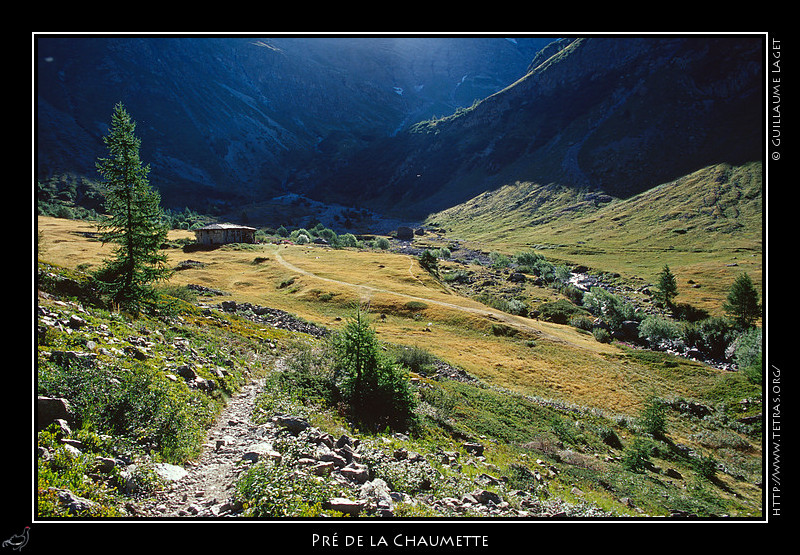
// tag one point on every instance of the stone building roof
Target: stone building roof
(211, 227)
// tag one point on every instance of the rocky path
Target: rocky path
(205, 487)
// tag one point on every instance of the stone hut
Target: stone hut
(220, 234)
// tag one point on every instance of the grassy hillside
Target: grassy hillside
(546, 392)
(707, 226)
(323, 285)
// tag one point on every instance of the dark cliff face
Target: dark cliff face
(244, 116)
(618, 115)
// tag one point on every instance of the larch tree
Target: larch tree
(742, 305)
(667, 287)
(135, 222)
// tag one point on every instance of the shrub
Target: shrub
(307, 375)
(573, 294)
(657, 330)
(162, 416)
(348, 240)
(559, 312)
(499, 260)
(582, 322)
(428, 261)
(602, 335)
(415, 359)
(528, 259)
(611, 308)
(748, 348)
(270, 490)
(706, 467)
(711, 336)
(538, 265)
(742, 303)
(748, 355)
(517, 307)
(382, 243)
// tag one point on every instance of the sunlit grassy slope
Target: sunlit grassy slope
(411, 308)
(707, 226)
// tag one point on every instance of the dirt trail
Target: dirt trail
(207, 487)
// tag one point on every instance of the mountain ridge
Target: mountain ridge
(618, 115)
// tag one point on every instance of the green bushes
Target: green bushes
(417, 360)
(560, 311)
(657, 330)
(636, 457)
(611, 308)
(139, 406)
(268, 490)
(748, 354)
(428, 260)
(511, 306)
(712, 336)
(653, 418)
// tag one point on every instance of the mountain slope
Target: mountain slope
(228, 117)
(718, 207)
(707, 226)
(618, 115)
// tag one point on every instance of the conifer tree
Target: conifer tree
(667, 287)
(375, 387)
(135, 222)
(742, 304)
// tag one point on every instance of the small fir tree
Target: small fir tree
(135, 222)
(742, 305)
(653, 417)
(667, 287)
(376, 389)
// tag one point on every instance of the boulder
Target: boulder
(75, 504)
(186, 372)
(105, 465)
(376, 491)
(474, 448)
(293, 424)
(405, 233)
(170, 472)
(322, 469)
(51, 409)
(485, 497)
(628, 331)
(346, 506)
(355, 472)
(261, 451)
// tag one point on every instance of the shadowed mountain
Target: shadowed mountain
(612, 115)
(238, 118)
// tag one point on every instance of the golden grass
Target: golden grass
(323, 285)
